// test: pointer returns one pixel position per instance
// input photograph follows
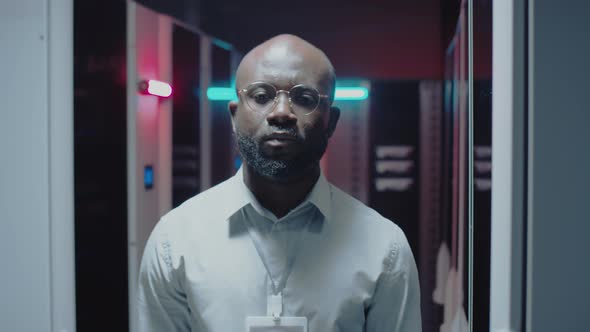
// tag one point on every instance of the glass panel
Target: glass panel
(222, 161)
(186, 157)
(451, 291)
(482, 161)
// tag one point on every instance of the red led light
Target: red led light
(155, 88)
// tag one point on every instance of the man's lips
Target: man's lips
(281, 136)
(278, 141)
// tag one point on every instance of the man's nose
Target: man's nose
(281, 112)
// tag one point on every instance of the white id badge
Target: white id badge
(276, 324)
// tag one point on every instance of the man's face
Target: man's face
(282, 144)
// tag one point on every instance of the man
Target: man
(276, 247)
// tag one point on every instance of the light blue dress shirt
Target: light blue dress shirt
(352, 269)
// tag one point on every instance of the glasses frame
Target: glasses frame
(276, 98)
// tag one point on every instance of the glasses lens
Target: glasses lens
(304, 99)
(260, 96)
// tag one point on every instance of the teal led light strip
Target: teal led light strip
(351, 93)
(215, 93)
(342, 93)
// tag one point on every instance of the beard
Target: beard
(282, 170)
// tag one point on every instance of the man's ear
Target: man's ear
(232, 106)
(332, 120)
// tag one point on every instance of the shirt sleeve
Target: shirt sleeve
(395, 305)
(162, 304)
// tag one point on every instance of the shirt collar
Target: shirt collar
(240, 196)
(320, 196)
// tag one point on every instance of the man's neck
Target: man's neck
(280, 197)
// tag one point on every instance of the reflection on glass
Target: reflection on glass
(451, 288)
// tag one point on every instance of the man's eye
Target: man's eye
(305, 100)
(261, 98)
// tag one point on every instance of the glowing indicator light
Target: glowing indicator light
(155, 88)
(351, 93)
(148, 177)
(221, 94)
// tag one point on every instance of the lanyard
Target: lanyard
(274, 301)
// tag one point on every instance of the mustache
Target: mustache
(289, 131)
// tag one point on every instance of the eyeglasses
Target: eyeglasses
(261, 97)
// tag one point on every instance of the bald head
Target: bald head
(287, 60)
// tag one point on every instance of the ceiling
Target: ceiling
(376, 39)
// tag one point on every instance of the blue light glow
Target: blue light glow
(148, 177)
(216, 93)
